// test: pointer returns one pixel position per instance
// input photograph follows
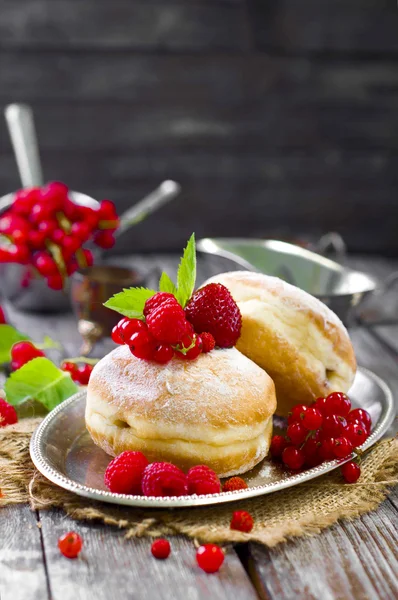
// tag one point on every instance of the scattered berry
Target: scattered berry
(8, 415)
(22, 353)
(70, 544)
(164, 479)
(360, 415)
(157, 300)
(337, 403)
(209, 557)
(297, 433)
(356, 433)
(208, 342)
(293, 458)
(312, 418)
(278, 444)
(161, 548)
(203, 480)
(234, 483)
(342, 447)
(242, 521)
(351, 472)
(124, 473)
(213, 310)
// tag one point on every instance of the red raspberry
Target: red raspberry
(155, 301)
(167, 323)
(209, 557)
(164, 479)
(234, 483)
(242, 521)
(124, 473)
(208, 342)
(212, 309)
(8, 415)
(203, 480)
(70, 544)
(161, 548)
(278, 444)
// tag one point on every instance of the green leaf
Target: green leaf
(131, 302)
(41, 380)
(166, 284)
(186, 274)
(8, 337)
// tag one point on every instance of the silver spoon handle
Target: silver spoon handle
(164, 193)
(19, 118)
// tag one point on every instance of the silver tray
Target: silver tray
(63, 451)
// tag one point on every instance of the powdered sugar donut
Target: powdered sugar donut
(296, 338)
(215, 410)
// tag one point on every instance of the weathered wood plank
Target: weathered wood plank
(22, 570)
(112, 567)
(123, 25)
(331, 26)
(350, 561)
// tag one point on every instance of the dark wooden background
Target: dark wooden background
(279, 117)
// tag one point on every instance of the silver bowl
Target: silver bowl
(338, 287)
(23, 287)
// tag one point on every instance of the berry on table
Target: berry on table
(8, 415)
(297, 433)
(278, 444)
(213, 310)
(124, 473)
(351, 472)
(163, 353)
(233, 484)
(142, 345)
(208, 342)
(22, 353)
(342, 447)
(167, 323)
(242, 521)
(361, 416)
(210, 557)
(293, 458)
(356, 433)
(337, 403)
(164, 479)
(70, 544)
(312, 418)
(203, 480)
(161, 548)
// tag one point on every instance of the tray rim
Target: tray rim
(40, 461)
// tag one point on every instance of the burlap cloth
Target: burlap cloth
(302, 510)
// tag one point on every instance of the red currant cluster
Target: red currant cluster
(131, 473)
(164, 333)
(46, 229)
(79, 373)
(325, 431)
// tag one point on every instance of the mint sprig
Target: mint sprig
(41, 380)
(131, 302)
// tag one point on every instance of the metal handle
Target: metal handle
(167, 191)
(19, 118)
(334, 242)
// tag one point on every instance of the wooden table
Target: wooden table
(351, 560)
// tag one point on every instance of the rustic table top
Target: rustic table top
(352, 560)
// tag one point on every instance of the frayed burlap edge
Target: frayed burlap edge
(298, 511)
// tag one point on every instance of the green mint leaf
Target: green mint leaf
(166, 284)
(186, 274)
(131, 302)
(8, 337)
(41, 380)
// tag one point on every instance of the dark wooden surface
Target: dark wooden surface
(286, 108)
(356, 560)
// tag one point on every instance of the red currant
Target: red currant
(71, 266)
(312, 418)
(333, 426)
(57, 236)
(70, 544)
(8, 414)
(41, 212)
(194, 352)
(104, 239)
(71, 243)
(142, 345)
(356, 433)
(115, 335)
(311, 450)
(54, 194)
(45, 264)
(209, 557)
(297, 413)
(88, 257)
(88, 215)
(128, 327)
(107, 211)
(22, 353)
(81, 230)
(338, 403)
(163, 353)
(297, 433)
(69, 367)
(320, 404)
(342, 447)
(10, 222)
(278, 444)
(19, 254)
(326, 450)
(55, 282)
(48, 226)
(351, 472)
(3, 319)
(82, 374)
(37, 239)
(360, 415)
(293, 457)
(24, 200)
(161, 548)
